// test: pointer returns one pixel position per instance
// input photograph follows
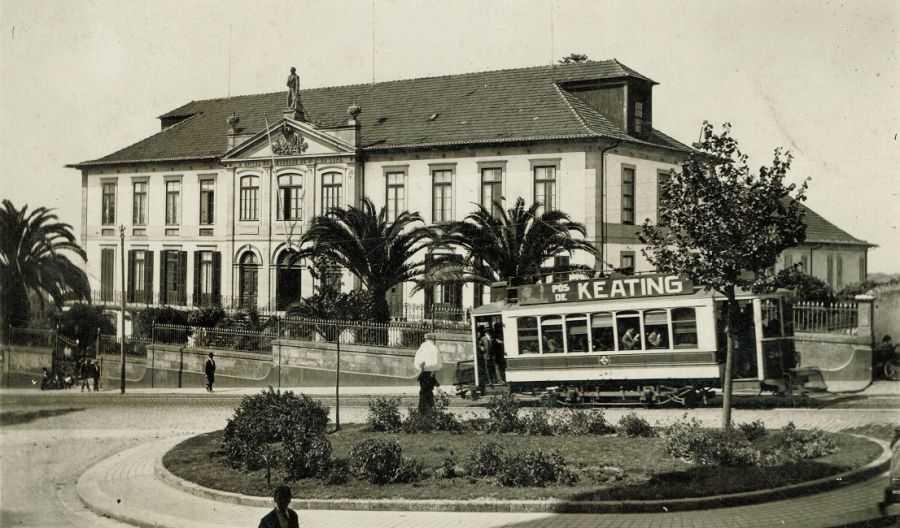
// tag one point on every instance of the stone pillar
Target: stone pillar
(865, 330)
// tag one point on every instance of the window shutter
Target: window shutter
(429, 292)
(198, 256)
(148, 277)
(130, 275)
(216, 277)
(163, 298)
(182, 277)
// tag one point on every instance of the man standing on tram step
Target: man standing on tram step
(485, 351)
(210, 372)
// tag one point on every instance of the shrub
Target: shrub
(207, 316)
(338, 472)
(146, 318)
(503, 414)
(449, 467)
(269, 417)
(485, 460)
(384, 415)
(438, 419)
(724, 447)
(535, 468)
(537, 423)
(633, 426)
(753, 431)
(410, 471)
(797, 445)
(307, 457)
(583, 422)
(377, 460)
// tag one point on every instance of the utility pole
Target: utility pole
(122, 339)
(337, 379)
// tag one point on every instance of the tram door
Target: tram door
(746, 366)
(488, 352)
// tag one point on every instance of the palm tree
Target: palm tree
(508, 245)
(32, 259)
(377, 250)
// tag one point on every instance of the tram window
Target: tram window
(528, 335)
(552, 333)
(576, 330)
(684, 327)
(656, 328)
(771, 318)
(629, 326)
(603, 336)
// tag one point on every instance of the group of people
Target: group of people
(631, 339)
(86, 370)
(491, 355)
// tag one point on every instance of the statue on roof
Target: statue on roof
(293, 84)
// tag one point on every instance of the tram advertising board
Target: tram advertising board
(629, 287)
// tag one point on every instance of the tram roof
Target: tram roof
(699, 293)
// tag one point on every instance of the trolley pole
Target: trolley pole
(337, 379)
(122, 341)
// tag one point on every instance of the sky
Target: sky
(79, 80)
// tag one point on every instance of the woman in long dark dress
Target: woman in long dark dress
(427, 383)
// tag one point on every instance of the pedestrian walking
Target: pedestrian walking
(95, 373)
(427, 383)
(210, 370)
(85, 374)
(281, 516)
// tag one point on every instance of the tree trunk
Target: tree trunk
(731, 310)
(382, 309)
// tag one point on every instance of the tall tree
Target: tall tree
(32, 258)
(724, 226)
(379, 251)
(514, 244)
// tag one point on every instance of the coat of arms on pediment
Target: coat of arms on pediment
(289, 143)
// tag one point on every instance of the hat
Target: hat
(210, 354)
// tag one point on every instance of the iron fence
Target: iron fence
(401, 335)
(36, 337)
(423, 312)
(134, 346)
(244, 340)
(827, 318)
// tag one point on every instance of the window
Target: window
(109, 203)
(684, 328)
(136, 274)
(628, 328)
(552, 334)
(561, 263)
(139, 209)
(288, 279)
(441, 195)
(107, 273)
(290, 197)
(628, 195)
(173, 201)
(207, 202)
(491, 189)
(577, 333)
(626, 262)
(803, 264)
(527, 328)
(331, 191)
(840, 273)
(656, 329)
(829, 269)
(443, 301)
(603, 336)
(395, 199)
(662, 179)
(207, 277)
(250, 198)
(788, 260)
(638, 117)
(173, 277)
(545, 186)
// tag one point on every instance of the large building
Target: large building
(214, 203)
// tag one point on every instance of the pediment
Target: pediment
(289, 138)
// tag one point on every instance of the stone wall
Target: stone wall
(887, 312)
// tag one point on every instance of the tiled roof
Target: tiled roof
(524, 104)
(821, 231)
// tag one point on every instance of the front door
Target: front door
(395, 301)
(288, 287)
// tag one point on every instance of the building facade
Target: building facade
(214, 204)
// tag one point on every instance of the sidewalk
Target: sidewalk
(124, 487)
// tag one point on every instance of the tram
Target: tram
(656, 337)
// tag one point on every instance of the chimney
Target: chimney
(235, 135)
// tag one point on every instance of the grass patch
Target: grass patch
(608, 468)
(23, 417)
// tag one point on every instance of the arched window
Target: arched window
(290, 197)
(248, 280)
(250, 198)
(287, 280)
(331, 191)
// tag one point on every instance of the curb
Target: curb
(873, 468)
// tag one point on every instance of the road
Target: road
(62, 434)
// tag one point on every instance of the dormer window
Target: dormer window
(638, 117)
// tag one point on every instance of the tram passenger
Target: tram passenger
(631, 339)
(552, 345)
(486, 362)
(498, 353)
(655, 339)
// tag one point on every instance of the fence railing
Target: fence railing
(244, 340)
(134, 346)
(827, 318)
(37, 337)
(398, 335)
(423, 312)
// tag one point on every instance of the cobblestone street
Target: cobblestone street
(41, 461)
